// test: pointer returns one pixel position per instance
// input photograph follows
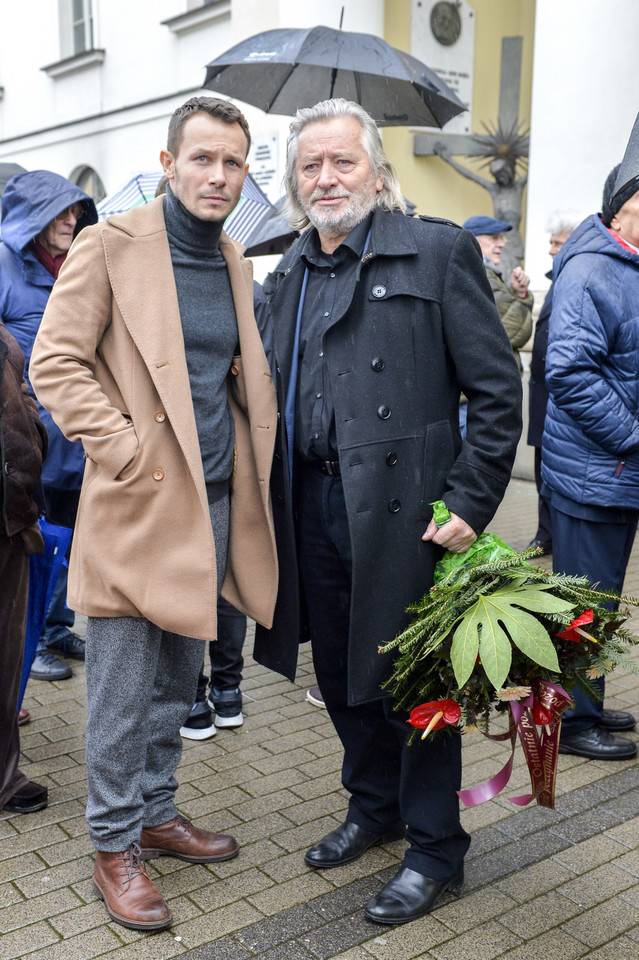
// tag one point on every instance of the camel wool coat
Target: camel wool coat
(109, 363)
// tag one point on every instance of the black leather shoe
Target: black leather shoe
(409, 895)
(30, 797)
(346, 843)
(546, 546)
(598, 744)
(617, 720)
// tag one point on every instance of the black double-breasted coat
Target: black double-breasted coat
(417, 324)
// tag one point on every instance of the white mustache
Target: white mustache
(319, 194)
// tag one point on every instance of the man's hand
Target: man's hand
(456, 535)
(520, 282)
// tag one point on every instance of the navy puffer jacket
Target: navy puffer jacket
(591, 433)
(30, 202)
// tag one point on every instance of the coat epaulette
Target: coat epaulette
(449, 223)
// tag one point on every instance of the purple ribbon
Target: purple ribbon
(541, 755)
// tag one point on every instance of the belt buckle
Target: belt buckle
(330, 466)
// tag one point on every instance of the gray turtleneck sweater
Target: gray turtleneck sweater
(210, 334)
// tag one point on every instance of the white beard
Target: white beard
(338, 223)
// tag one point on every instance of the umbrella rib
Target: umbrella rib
(281, 86)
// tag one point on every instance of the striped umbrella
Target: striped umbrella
(252, 210)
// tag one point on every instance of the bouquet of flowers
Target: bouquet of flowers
(497, 633)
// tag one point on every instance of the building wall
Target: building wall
(429, 182)
(585, 100)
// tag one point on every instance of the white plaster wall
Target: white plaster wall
(145, 65)
(585, 100)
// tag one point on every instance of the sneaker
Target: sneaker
(47, 667)
(314, 696)
(67, 644)
(199, 725)
(228, 707)
(23, 716)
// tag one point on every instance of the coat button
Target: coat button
(158, 474)
(394, 506)
(159, 416)
(379, 291)
(383, 412)
(377, 364)
(235, 369)
(391, 458)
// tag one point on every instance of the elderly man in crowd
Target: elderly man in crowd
(590, 459)
(41, 214)
(378, 321)
(149, 354)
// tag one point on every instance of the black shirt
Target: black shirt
(328, 276)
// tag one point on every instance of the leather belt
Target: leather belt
(331, 467)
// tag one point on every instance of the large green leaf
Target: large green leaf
(489, 625)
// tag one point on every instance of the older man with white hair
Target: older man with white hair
(378, 321)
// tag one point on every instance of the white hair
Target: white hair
(563, 221)
(389, 197)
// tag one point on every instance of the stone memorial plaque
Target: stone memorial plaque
(443, 37)
(264, 164)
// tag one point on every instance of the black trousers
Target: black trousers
(388, 781)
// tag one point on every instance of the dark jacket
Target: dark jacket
(591, 436)
(23, 442)
(537, 389)
(417, 324)
(30, 202)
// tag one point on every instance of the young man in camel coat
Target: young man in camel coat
(149, 355)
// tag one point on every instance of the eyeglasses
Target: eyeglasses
(76, 209)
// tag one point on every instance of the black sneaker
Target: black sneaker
(68, 644)
(228, 707)
(199, 725)
(47, 667)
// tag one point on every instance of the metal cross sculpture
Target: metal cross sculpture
(503, 148)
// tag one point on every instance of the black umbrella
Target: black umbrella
(282, 70)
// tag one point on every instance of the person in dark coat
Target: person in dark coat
(42, 212)
(23, 442)
(590, 459)
(378, 321)
(559, 227)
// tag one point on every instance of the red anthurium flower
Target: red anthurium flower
(541, 715)
(435, 715)
(570, 633)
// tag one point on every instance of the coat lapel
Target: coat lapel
(139, 263)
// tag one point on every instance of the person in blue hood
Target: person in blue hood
(41, 214)
(590, 458)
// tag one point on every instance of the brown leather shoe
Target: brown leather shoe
(129, 895)
(181, 839)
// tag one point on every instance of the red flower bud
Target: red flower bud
(570, 632)
(541, 715)
(435, 715)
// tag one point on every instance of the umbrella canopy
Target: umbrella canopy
(135, 192)
(283, 70)
(246, 219)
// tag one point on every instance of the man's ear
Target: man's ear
(168, 161)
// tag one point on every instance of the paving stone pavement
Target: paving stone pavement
(557, 885)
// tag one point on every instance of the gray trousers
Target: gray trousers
(141, 685)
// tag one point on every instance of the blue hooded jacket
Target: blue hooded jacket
(591, 434)
(30, 202)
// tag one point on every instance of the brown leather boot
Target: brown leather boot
(181, 839)
(128, 892)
